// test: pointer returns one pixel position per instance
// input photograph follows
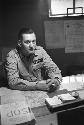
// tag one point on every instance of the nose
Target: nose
(31, 44)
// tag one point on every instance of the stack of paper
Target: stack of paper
(59, 99)
(73, 82)
(65, 80)
(66, 97)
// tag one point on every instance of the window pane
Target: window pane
(60, 6)
(79, 3)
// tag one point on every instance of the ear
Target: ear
(19, 43)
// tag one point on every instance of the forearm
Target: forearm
(20, 84)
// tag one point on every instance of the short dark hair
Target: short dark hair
(25, 31)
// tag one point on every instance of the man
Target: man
(25, 65)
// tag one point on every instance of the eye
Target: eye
(33, 41)
(27, 41)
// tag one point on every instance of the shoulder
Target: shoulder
(40, 48)
(40, 52)
(12, 54)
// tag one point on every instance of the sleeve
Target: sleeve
(51, 68)
(14, 80)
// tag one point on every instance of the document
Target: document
(65, 80)
(79, 78)
(66, 97)
(73, 82)
(72, 79)
(13, 96)
(81, 93)
(6, 91)
(16, 113)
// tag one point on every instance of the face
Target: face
(28, 43)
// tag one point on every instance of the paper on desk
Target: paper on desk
(54, 101)
(83, 77)
(72, 79)
(73, 82)
(35, 98)
(72, 86)
(13, 96)
(16, 113)
(81, 94)
(66, 97)
(79, 78)
(65, 80)
(6, 91)
(76, 78)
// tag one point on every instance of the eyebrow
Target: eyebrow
(29, 40)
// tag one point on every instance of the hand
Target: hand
(41, 85)
(53, 84)
(54, 81)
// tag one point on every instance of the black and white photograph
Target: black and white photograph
(41, 62)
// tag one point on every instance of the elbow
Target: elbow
(13, 84)
(18, 86)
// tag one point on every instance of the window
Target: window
(59, 8)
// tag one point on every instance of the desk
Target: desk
(72, 112)
(72, 116)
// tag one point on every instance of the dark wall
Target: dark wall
(15, 14)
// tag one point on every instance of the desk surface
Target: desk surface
(42, 112)
(36, 99)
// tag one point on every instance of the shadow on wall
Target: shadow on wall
(4, 52)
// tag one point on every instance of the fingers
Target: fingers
(53, 84)
(50, 82)
(41, 85)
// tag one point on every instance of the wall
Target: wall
(15, 14)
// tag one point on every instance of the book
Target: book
(16, 114)
(59, 99)
(54, 101)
